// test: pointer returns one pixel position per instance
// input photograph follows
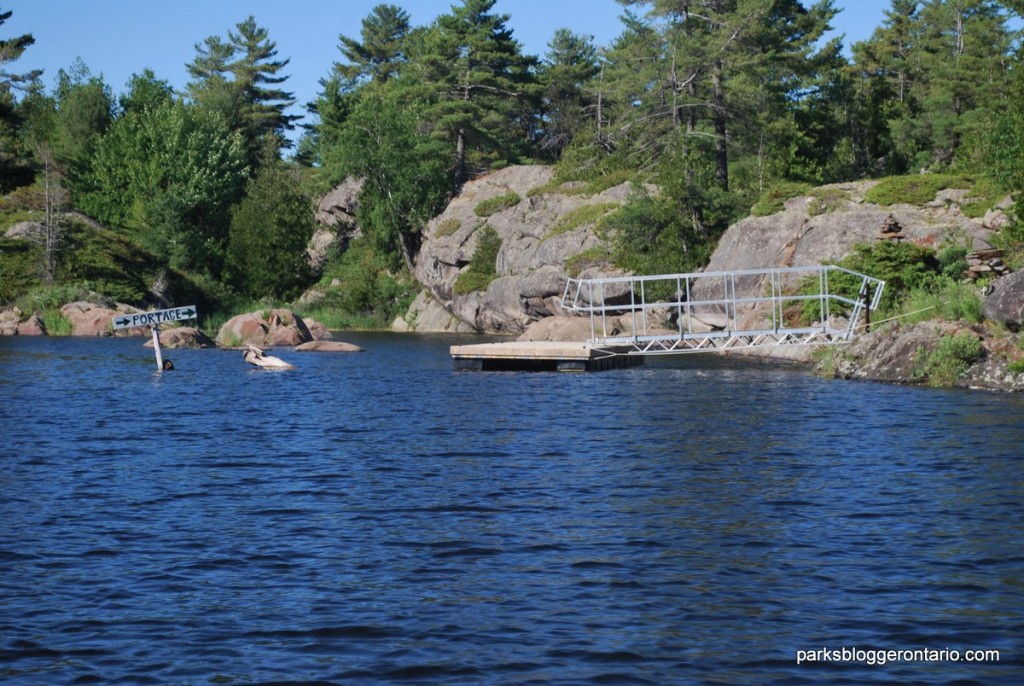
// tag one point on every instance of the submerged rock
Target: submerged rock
(328, 347)
(183, 337)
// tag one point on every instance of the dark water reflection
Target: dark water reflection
(380, 518)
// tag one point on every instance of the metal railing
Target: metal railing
(709, 311)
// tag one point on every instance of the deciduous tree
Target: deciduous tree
(169, 173)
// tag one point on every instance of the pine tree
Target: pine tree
(11, 50)
(482, 88)
(84, 111)
(381, 53)
(934, 73)
(239, 79)
(727, 66)
(15, 166)
(966, 49)
(571, 64)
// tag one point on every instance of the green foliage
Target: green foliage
(43, 298)
(825, 200)
(1016, 367)
(381, 53)
(915, 189)
(367, 293)
(985, 194)
(952, 260)
(773, 200)
(406, 175)
(581, 216)
(238, 79)
(592, 257)
(570, 65)
(19, 268)
(1011, 241)
(480, 90)
(482, 269)
(56, 324)
(109, 263)
(924, 108)
(169, 174)
(946, 299)
(903, 266)
(496, 204)
(269, 232)
(650, 236)
(448, 227)
(84, 111)
(948, 362)
(565, 182)
(828, 359)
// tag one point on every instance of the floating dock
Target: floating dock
(540, 356)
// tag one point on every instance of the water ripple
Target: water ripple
(379, 518)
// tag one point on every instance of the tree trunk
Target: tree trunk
(52, 223)
(721, 144)
(410, 248)
(460, 161)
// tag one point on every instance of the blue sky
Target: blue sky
(117, 38)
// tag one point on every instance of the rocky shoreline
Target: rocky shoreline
(914, 355)
(262, 328)
(549, 232)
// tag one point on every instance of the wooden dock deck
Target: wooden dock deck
(542, 356)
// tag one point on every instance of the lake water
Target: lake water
(379, 518)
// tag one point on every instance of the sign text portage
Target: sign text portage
(129, 321)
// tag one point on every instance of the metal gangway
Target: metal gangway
(718, 311)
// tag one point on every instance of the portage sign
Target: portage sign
(154, 318)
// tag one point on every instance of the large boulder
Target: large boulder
(1005, 304)
(24, 231)
(581, 329)
(808, 233)
(558, 329)
(264, 328)
(802, 234)
(90, 319)
(9, 319)
(33, 326)
(540, 230)
(427, 315)
(336, 215)
(318, 331)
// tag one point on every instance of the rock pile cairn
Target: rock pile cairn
(891, 229)
(986, 263)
